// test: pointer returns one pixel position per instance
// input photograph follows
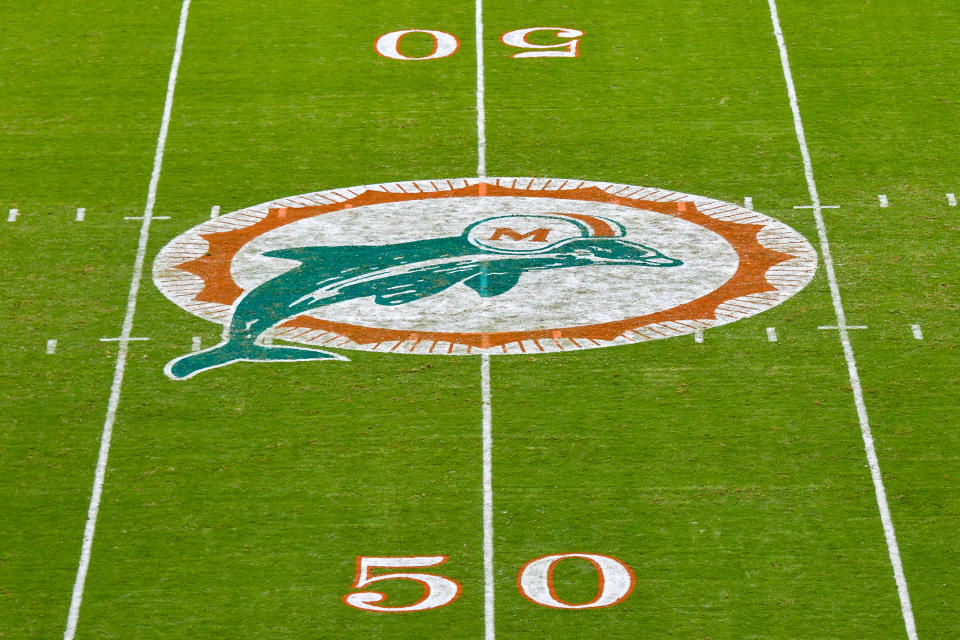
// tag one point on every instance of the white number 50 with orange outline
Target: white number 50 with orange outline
(446, 44)
(535, 582)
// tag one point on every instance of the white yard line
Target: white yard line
(867, 435)
(124, 340)
(481, 108)
(488, 620)
(489, 629)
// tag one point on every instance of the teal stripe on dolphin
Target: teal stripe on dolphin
(490, 257)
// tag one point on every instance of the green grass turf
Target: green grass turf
(82, 87)
(881, 106)
(729, 475)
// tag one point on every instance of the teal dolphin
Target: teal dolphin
(393, 274)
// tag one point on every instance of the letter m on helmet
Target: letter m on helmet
(537, 235)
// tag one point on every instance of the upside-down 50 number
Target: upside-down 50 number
(446, 44)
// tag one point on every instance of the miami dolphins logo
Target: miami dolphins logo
(504, 265)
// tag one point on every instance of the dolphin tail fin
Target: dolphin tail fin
(229, 352)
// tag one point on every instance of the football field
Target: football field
(480, 320)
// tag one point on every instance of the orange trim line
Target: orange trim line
(750, 277)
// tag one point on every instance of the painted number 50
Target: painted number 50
(446, 44)
(615, 581)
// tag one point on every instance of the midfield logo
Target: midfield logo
(503, 265)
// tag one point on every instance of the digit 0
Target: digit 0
(438, 591)
(444, 44)
(615, 581)
(569, 49)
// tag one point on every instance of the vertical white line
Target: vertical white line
(489, 630)
(917, 332)
(81, 214)
(481, 109)
(874, 464)
(698, 335)
(884, 202)
(748, 203)
(195, 344)
(12, 215)
(772, 334)
(52, 346)
(952, 199)
(214, 211)
(488, 618)
(124, 342)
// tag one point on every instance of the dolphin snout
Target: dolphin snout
(626, 252)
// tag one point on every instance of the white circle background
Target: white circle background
(558, 298)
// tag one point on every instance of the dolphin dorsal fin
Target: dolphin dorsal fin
(492, 284)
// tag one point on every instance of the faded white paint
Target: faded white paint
(748, 203)
(81, 214)
(884, 203)
(771, 334)
(917, 332)
(865, 432)
(214, 211)
(12, 216)
(195, 344)
(590, 294)
(951, 199)
(698, 335)
(51, 346)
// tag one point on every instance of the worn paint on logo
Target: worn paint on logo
(502, 265)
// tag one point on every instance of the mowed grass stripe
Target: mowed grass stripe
(125, 337)
(240, 500)
(744, 509)
(717, 470)
(81, 122)
(878, 108)
(848, 354)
